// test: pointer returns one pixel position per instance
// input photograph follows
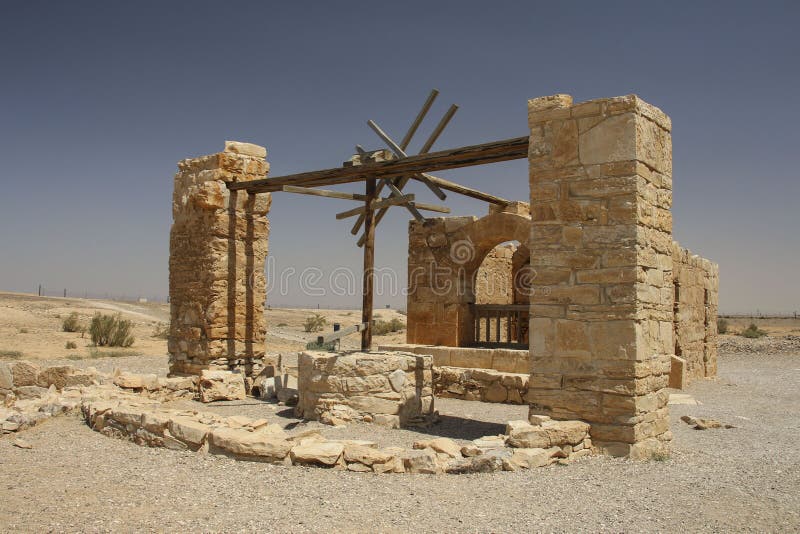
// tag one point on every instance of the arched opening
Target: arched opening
(502, 286)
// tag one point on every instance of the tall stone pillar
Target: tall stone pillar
(601, 312)
(218, 245)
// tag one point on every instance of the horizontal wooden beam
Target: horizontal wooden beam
(327, 193)
(505, 150)
(391, 201)
(430, 207)
(333, 336)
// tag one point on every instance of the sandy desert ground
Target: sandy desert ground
(74, 479)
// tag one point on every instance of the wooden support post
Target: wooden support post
(369, 265)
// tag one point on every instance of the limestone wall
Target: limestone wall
(601, 241)
(218, 244)
(696, 298)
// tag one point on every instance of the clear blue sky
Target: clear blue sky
(99, 100)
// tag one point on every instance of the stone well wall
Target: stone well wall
(218, 244)
(388, 388)
(696, 298)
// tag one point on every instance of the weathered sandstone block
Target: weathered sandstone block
(221, 385)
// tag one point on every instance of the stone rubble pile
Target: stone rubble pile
(30, 393)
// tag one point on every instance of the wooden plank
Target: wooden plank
(376, 204)
(327, 193)
(333, 336)
(504, 150)
(369, 266)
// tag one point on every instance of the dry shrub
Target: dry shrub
(72, 323)
(381, 328)
(722, 326)
(71, 345)
(753, 332)
(315, 323)
(110, 331)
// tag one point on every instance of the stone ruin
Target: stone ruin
(577, 303)
(603, 310)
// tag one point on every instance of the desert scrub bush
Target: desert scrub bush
(10, 354)
(381, 328)
(282, 324)
(722, 326)
(315, 323)
(326, 347)
(72, 323)
(161, 330)
(110, 331)
(753, 332)
(23, 330)
(71, 345)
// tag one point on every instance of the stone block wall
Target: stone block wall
(388, 388)
(696, 300)
(218, 245)
(601, 241)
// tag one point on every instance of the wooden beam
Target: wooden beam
(338, 334)
(428, 207)
(397, 194)
(400, 153)
(467, 191)
(505, 150)
(439, 129)
(404, 145)
(375, 204)
(369, 266)
(323, 193)
(418, 120)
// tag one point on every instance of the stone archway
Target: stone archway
(444, 257)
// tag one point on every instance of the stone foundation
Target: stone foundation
(218, 244)
(485, 385)
(389, 388)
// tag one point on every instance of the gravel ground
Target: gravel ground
(745, 479)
